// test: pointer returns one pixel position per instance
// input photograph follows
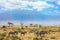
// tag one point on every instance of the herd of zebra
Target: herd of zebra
(38, 33)
(24, 32)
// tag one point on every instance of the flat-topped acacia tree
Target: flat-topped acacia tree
(21, 24)
(10, 24)
(31, 25)
(36, 25)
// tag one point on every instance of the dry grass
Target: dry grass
(53, 33)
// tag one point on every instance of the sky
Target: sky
(45, 12)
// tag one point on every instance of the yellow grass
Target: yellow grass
(53, 32)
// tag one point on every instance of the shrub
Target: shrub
(3, 26)
(53, 37)
(5, 39)
(3, 34)
(22, 27)
(35, 39)
(14, 37)
(26, 26)
(41, 38)
(38, 38)
(1, 38)
(46, 39)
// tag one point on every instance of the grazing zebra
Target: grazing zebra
(42, 33)
(23, 33)
(13, 33)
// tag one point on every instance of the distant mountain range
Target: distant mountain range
(27, 15)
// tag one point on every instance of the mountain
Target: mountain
(27, 15)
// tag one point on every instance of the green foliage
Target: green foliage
(51, 30)
(14, 37)
(5, 39)
(35, 39)
(38, 38)
(1, 38)
(26, 26)
(3, 34)
(41, 38)
(22, 27)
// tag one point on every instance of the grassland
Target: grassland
(53, 33)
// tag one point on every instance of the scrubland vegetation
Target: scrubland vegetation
(29, 32)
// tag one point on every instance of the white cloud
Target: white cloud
(40, 5)
(50, 0)
(15, 4)
(58, 2)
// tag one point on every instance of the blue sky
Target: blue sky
(45, 11)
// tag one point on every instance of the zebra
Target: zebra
(41, 33)
(23, 33)
(13, 33)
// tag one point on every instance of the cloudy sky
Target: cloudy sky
(42, 11)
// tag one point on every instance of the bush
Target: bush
(41, 38)
(1, 38)
(3, 34)
(35, 39)
(38, 38)
(5, 39)
(46, 39)
(22, 27)
(53, 37)
(14, 37)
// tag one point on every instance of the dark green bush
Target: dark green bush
(3, 34)
(5, 39)
(35, 39)
(41, 38)
(22, 27)
(38, 38)
(14, 37)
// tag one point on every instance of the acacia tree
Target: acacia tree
(22, 24)
(36, 25)
(31, 25)
(10, 24)
(40, 25)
